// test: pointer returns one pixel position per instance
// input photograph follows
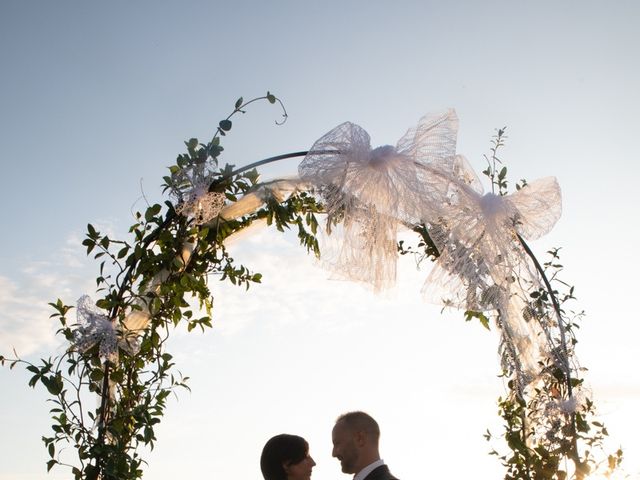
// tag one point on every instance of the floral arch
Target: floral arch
(482, 266)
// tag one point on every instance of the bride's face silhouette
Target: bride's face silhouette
(300, 470)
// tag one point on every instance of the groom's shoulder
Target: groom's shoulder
(381, 473)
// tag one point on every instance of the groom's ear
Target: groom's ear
(360, 438)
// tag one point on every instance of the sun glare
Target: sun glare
(617, 475)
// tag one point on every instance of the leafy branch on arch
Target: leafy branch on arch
(160, 279)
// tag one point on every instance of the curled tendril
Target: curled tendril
(285, 115)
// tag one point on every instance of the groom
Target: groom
(355, 443)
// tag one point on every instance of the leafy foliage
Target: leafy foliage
(571, 442)
(152, 275)
(162, 274)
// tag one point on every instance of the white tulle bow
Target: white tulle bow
(190, 189)
(371, 190)
(484, 267)
(97, 328)
(201, 205)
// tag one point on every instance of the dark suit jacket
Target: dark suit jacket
(380, 473)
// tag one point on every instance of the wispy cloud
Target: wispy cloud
(25, 323)
(292, 288)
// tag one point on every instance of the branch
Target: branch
(270, 160)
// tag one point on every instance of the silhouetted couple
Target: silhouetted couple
(355, 439)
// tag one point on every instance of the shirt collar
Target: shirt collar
(362, 474)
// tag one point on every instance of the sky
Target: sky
(96, 101)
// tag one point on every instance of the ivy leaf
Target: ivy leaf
(225, 125)
(470, 314)
(53, 383)
(151, 212)
(238, 103)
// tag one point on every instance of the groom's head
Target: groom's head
(355, 441)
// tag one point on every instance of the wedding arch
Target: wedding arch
(482, 266)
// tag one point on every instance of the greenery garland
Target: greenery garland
(166, 268)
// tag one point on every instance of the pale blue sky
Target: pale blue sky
(96, 99)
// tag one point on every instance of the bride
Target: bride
(286, 457)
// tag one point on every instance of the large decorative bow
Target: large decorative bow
(371, 190)
(484, 267)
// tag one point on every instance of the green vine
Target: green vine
(161, 277)
(154, 277)
(571, 443)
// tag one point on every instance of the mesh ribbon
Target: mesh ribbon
(483, 267)
(96, 328)
(190, 189)
(371, 190)
(201, 205)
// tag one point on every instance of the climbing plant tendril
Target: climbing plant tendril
(159, 279)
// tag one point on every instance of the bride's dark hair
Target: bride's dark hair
(283, 449)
